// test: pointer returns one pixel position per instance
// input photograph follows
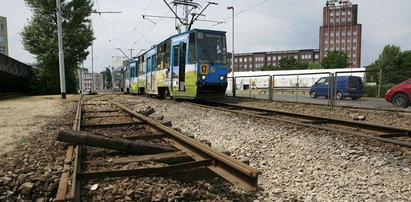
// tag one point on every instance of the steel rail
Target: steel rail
(240, 174)
(73, 151)
(328, 120)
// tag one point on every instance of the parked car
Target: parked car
(347, 86)
(400, 95)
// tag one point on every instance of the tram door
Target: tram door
(180, 64)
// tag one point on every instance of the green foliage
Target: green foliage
(302, 65)
(315, 65)
(335, 59)
(40, 39)
(390, 59)
(287, 63)
(268, 68)
(107, 78)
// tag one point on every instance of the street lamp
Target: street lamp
(232, 52)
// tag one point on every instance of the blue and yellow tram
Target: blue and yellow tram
(191, 65)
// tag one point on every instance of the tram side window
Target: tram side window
(154, 62)
(192, 49)
(166, 59)
(143, 65)
(175, 56)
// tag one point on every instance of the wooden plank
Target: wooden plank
(154, 157)
(147, 137)
(146, 171)
(111, 125)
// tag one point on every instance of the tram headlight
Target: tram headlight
(222, 78)
(203, 77)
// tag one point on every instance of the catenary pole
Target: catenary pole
(232, 54)
(61, 51)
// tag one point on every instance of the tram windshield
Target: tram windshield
(211, 48)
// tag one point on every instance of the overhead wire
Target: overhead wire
(137, 25)
(105, 29)
(240, 12)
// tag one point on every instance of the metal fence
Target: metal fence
(323, 88)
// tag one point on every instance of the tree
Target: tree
(315, 65)
(390, 59)
(107, 78)
(302, 65)
(287, 63)
(335, 59)
(40, 39)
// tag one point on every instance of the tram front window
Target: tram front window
(211, 48)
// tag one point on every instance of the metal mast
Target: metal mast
(61, 51)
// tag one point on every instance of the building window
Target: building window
(1, 26)
(326, 42)
(331, 20)
(354, 62)
(316, 56)
(349, 33)
(349, 12)
(354, 55)
(342, 40)
(326, 48)
(235, 59)
(342, 19)
(342, 33)
(245, 59)
(331, 42)
(348, 48)
(337, 42)
(354, 33)
(309, 56)
(337, 33)
(250, 59)
(348, 19)
(326, 33)
(337, 20)
(2, 49)
(331, 14)
(332, 34)
(343, 13)
(354, 48)
(279, 57)
(1, 38)
(269, 58)
(342, 48)
(241, 59)
(354, 40)
(337, 13)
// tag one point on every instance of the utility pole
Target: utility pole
(131, 53)
(232, 54)
(61, 51)
(92, 68)
(186, 25)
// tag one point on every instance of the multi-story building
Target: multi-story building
(256, 60)
(341, 31)
(86, 84)
(4, 47)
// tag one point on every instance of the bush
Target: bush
(372, 91)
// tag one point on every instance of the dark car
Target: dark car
(400, 95)
(347, 86)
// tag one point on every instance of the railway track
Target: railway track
(388, 134)
(102, 116)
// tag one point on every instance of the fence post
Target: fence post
(331, 90)
(379, 85)
(270, 88)
(296, 88)
(234, 86)
(249, 88)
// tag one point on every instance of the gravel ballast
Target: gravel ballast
(297, 163)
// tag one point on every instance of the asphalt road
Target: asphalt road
(365, 102)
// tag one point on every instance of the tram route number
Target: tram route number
(204, 68)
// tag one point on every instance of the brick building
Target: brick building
(256, 60)
(341, 31)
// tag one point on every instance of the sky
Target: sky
(260, 25)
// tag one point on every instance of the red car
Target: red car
(400, 95)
